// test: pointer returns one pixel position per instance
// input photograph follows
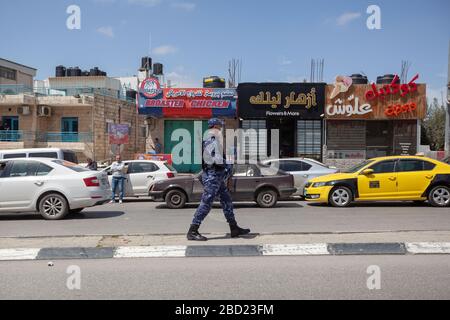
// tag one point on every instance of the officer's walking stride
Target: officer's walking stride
(216, 172)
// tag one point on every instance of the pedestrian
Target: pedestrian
(118, 179)
(215, 176)
(158, 147)
(91, 164)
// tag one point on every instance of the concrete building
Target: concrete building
(12, 73)
(77, 123)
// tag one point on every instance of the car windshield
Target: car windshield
(71, 166)
(358, 166)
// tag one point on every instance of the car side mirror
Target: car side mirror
(368, 172)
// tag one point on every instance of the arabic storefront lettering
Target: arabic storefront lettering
(261, 100)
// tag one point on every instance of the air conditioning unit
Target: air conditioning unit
(44, 111)
(24, 110)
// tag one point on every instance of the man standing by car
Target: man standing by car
(91, 164)
(118, 179)
(215, 175)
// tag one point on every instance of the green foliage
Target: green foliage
(434, 126)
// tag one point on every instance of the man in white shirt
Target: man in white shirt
(118, 179)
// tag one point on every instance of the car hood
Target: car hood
(334, 176)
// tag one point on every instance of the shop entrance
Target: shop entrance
(379, 138)
(287, 131)
(186, 147)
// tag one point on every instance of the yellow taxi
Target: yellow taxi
(402, 178)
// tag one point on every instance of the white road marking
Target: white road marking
(150, 252)
(294, 249)
(18, 254)
(428, 247)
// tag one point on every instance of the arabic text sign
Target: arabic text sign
(119, 134)
(191, 103)
(280, 100)
(353, 104)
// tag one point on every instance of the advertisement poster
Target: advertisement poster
(119, 134)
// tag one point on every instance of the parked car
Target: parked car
(402, 178)
(52, 187)
(141, 174)
(303, 169)
(250, 182)
(52, 153)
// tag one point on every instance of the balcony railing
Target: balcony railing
(65, 137)
(16, 136)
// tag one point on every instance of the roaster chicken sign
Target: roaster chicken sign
(353, 106)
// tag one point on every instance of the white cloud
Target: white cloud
(347, 17)
(187, 6)
(106, 31)
(164, 50)
(283, 61)
(146, 3)
(179, 79)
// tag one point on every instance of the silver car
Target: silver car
(303, 169)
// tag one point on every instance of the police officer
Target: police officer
(216, 172)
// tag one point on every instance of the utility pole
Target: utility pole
(447, 121)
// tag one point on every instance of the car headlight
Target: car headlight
(323, 184)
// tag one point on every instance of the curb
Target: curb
(313, 249)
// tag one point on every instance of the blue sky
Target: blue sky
(194, 38)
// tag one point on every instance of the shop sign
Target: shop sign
(185, 103)
(365, 102)
(281, 100)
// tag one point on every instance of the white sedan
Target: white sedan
(303, 170)
(52, 187)
(141, 174)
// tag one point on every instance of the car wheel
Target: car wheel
(175, 199)
(439, 196)
(76, 211)
(53, 206)
(340, 197)
(267, 198)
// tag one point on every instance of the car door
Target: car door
(299, 170)
(414, 177)
(23, 184)
(382, 184)
(245, 179)
(140, 176)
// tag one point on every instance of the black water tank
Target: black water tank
(60, 71)
(387, 79)
(77, 72)
(158, 69)
(213, 82)
(94, 72)
(131, 94)
(146, 63)
(359, 78)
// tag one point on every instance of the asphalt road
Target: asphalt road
(344, 277)
(144, 217)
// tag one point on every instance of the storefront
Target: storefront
(178, 118)
(295, 109)
(368, 120)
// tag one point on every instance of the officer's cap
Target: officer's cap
(215, 122)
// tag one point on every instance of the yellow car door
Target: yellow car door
(414, 177)
(381, 184)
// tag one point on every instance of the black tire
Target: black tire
(176, 199)
(76, 211)
(267, 198)
(439, 196)
(53, 206)
(340, 197)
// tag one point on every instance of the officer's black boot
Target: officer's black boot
(194, 235)
(237, 231)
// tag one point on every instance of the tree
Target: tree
(434, 125)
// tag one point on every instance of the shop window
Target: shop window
(383, 167)
(309, 139)
(260, 136)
